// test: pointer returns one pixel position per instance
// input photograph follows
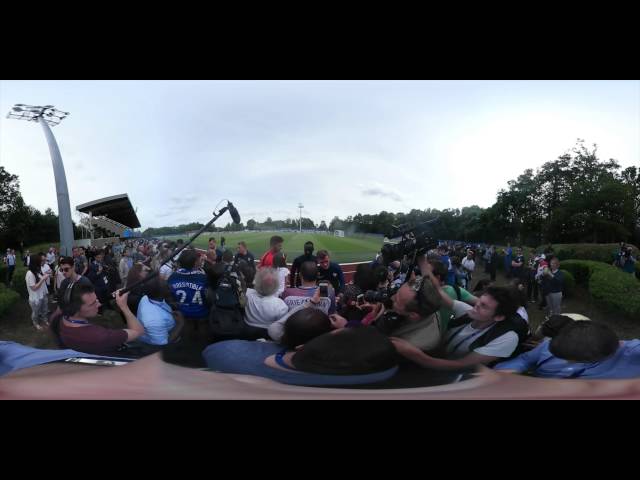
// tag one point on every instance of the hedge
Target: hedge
(609, 286)
(599, 252)
(569, 282)
(19, 282)
(7, 298)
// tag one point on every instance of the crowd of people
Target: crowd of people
(306, 326)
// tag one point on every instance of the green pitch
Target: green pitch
(341, 249)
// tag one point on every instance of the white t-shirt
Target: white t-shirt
(283, 273)
(263, 311)
(469, 264)
(35, 295)
(458, 339)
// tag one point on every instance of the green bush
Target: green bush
(599, 252)
(608, 286)
(19, 282)
(7, 298)
(569, 282)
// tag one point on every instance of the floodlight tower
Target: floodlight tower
(300, 206)
(45, 116)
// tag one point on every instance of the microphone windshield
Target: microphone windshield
(234, 213)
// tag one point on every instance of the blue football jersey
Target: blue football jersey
(189, 289)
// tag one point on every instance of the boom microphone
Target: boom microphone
(234, 213)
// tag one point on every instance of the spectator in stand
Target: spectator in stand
(347, 357)
(294, 297)
(446, 260)
(244, 254)
(138, 272)
(588, 350)
(517, 265)
(454, 292)
(625, 260)
(126, 263)
(81, 263)
(37, 289)
(214, 249)
(508, 256)
(59, 277)
(46, 270)
(162, 325)
(51, 257)
(330, 271)
(275, 246)
(247, 271)
(280, 264)
(74, 330)
(307, 256)
(468, 266)
(263, 305)
(188, 286)
(10, 261)
(552, 286)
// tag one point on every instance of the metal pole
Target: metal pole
(64, 209)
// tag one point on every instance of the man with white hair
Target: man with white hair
(263, 306)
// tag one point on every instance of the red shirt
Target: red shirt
(267, 259)
(92, 338)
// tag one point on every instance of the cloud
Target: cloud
(378, 191)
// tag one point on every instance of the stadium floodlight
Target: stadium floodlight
(300, 206)
(50, 116)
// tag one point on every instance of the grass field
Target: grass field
(341, 249)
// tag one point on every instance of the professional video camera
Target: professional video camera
(380, 296)
(414, 241)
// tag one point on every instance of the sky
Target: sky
(177, 148)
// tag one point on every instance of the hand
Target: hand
(404, 348)
(425, 266)
(121, 300)
(337, 321)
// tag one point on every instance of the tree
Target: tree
(323, 226)
(251, 224)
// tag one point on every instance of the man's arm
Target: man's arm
(177, 330)
(426, 269)
(417, 356)
(134, 327)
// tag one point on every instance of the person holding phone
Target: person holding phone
(37, 288)
(295, 296)
(330, 271)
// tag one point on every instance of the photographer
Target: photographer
(483, 334)
(413, 316)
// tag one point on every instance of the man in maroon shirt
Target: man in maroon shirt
(75, 331)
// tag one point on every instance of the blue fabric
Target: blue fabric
(157, 320)
(625, 363)
(247, 358)
(188, 288)
(14, 356)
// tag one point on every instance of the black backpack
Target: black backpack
(226, 317)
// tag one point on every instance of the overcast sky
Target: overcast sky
(339, 147)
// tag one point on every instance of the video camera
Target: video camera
(380, 296)
(414, 241)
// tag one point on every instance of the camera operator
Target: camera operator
(413, 316)
(486, 333)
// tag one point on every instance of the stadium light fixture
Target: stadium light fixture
(47, 116)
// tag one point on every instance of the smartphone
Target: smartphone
(324, 289)
(360, 299)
